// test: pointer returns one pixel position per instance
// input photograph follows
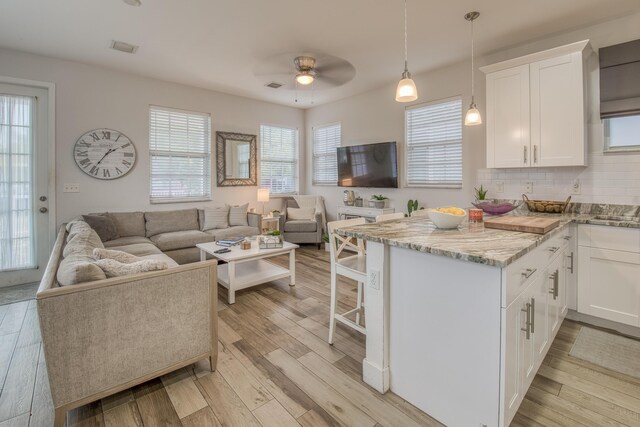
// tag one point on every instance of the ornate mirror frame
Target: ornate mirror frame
(221, 144)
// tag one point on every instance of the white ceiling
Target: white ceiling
(217, 44)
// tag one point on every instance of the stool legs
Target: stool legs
(334, 299)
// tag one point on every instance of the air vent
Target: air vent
(123, 47)
(274, 85)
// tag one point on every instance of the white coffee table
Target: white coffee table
(247, 267)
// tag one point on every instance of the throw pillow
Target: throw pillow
(113, 268)
(75, 269)
(238, 215)
(82, 242)
(301, 213)
(216, 217)
(103, 225)
(119, 256)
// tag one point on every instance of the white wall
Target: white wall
(375, 116)
(89, 97)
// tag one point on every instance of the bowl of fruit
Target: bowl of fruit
(447, 217)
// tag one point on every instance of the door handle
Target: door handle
(571, 264)
(43, 210)
(527, 323)
(554, 289)
(535, 154)
(533, 315)
(43, 198)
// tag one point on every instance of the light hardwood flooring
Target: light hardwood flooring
(276, 369)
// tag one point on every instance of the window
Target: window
(180, 148)
(622, 133)
(326, 140)
(279, 159)
(434, 144)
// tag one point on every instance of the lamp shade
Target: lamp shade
(263, 194)
(406, 91)
(473, 116)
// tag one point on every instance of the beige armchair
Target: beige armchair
(301, 231)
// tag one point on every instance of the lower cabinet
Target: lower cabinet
(609, 284)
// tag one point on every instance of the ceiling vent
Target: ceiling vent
(123, 47)
(274, 85)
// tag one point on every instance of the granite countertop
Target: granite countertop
(481, 245)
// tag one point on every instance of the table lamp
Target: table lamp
(263, 196)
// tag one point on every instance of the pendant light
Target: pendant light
(406, 91)
(473, 116)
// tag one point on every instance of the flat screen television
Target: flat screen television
(369, 165)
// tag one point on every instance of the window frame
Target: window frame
(206, 156)
(406, 145)
(296, 168)
(313, 154)
(607, 149)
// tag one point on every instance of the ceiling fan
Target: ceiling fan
(324, 71)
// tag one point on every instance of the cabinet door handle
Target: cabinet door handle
(533, 316)
(527, 323)
(571, 264)
(554, 289)
(528, 272)
(525, 155)
(535, 154)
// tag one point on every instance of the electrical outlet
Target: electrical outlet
(374, 279)
(499, 186)
(576, 188)
(71, 188)
(528, 187)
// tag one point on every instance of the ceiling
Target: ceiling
(217, 44)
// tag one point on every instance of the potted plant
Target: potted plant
(275, 213)
(481, 193)
(378, 200)
(325, 239)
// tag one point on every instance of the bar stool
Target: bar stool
(352, 266)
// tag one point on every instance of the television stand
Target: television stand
(370, 214)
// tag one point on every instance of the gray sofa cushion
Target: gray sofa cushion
(75, 269)
(103, 225)
(123, 241)
(216, 217)
(168, 221)
(300, 226)
(238, 215)
(128, 223)
(180, 239)
(82, 242)
(138, 249)
(237, 231)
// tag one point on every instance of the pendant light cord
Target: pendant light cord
(405, 37)
(472, 65)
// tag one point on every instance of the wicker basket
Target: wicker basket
(546, 206)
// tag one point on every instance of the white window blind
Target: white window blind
(17, 248)
(326, 140)
(180, 148)
(434, 144)
(279, 159)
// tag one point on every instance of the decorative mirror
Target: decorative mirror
(236, 159)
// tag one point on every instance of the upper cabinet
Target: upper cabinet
(536, 109)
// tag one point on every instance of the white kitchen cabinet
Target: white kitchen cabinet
(609, 272)
(536, 110)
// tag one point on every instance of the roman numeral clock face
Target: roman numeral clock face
(104, 154)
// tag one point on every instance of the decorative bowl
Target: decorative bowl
(493, 207)
(445, 220)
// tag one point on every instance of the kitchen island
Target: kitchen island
(459, 321)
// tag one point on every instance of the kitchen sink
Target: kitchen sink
(617, 218)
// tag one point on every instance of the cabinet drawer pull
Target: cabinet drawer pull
(571, 264)
(556, 279)
(527, 323)
(553, 249)
(533, 316)
(567, 237)
(535, 154)
(528, 272)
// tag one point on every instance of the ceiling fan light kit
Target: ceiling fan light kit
(473, 116)
(406, 91)
(305, 69)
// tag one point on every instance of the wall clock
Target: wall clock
(104, 154)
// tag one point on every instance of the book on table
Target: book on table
(232, 241)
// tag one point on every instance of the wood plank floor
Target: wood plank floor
(276, 369)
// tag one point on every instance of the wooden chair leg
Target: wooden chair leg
(359, 302)
(333, 303)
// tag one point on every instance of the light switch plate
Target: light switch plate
(528, 187)
(71, 188)
(576, 187)
(499, 186)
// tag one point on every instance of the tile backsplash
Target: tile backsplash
(610, 178)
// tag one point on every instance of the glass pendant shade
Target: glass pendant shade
(305, 78)
(473, 116)
(406, 91)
